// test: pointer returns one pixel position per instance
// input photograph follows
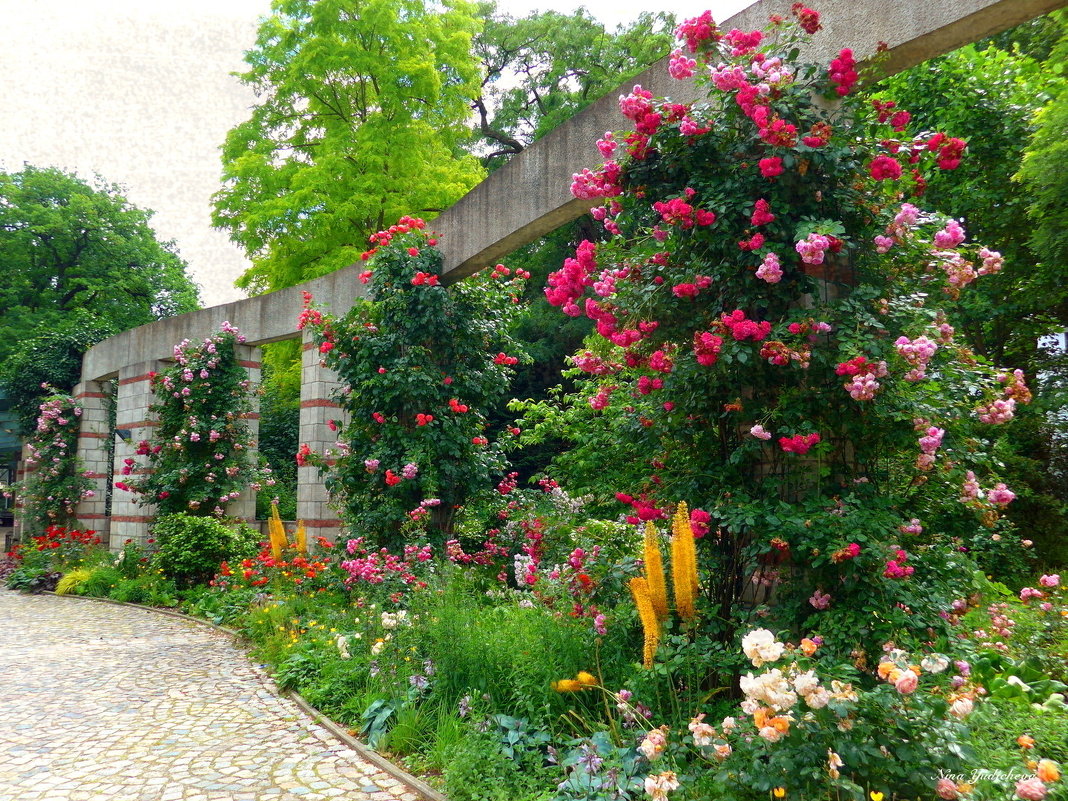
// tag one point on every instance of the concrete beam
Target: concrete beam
(262, 319)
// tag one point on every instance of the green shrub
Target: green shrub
(101, 581)
(71, 583)
(191, 548)
(480, 770)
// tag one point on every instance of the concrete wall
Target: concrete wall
(530, 197)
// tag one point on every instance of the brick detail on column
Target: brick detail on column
(317, 408)
(94, 434)
(129, 519)
(250, 359)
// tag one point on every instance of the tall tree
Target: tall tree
(362, 109)
(541, 69)
(989, 96)
(80, 263)
(1043, 172)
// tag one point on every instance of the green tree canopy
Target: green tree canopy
(362, 109)
(80, 263)
(1043, 173)
(541, 69)
(989, 96)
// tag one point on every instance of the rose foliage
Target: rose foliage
(199, 458)
(775, 344)
(55, 481)
(420, 365)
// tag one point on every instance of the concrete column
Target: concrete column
(93, 435)
(129, 520)
(251, 359)
(317, 386)
(21, 531)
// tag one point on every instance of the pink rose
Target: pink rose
(907, 682)
(947, 788)
(1032, 789)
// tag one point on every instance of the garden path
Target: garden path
(100, 702)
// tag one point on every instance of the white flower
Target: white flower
(806, 682)
(818, 698)
(728, 724)
(961, 708)
(703, 733)
(661, 784)
(772, 688)
(343, 646)
(761, 646)
(771, 734)
(390, 620)
(376, 649)
(935, 663)
(749, 706)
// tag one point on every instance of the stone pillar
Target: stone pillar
(317, 408)
(129, 520)
(250, 358)
(20, 531)
(93, 435)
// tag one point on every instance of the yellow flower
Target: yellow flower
(1047, 770)
(586, 679)
(567, 686)
(875, 795)
(654, 571)
(779, 792)
(683, 563)
(639, 587)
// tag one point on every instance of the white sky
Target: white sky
(139, 92)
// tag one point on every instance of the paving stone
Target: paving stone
(110, 702)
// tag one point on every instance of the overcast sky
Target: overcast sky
(139, 91)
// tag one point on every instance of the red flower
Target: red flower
(771, 166)
(392, 479)
(761, 213)
(807, 18)
(884, 167)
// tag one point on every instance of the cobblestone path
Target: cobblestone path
(110, 703)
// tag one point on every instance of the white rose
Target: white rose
(806, 682)
(760, 646)
(818, 698)
(935, 663)
(961, 708)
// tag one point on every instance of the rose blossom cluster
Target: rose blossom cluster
(862, 385)
(929, 443)
(917, 352)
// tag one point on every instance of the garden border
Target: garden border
(413, 783)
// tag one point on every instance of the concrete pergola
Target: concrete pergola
(525, 199)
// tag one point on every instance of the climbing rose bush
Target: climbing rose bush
(200, 456)
(55, 482)
(420, 365)
(775, 344)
